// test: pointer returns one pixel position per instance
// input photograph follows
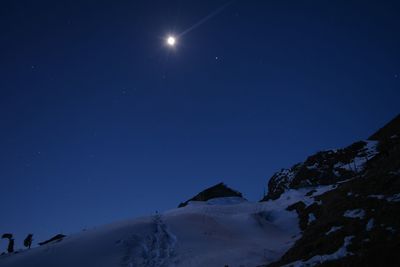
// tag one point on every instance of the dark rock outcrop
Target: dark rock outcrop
(218, 190)
(54, 239)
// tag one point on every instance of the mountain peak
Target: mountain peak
(389, 130)
(216, 191)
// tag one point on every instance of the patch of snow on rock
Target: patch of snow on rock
(292, 196)
(394, 198)
(311, 218)
(333, 229)
(370, 224)
(377, 196)
(312, 167)
(318, 259)
(358, 163)
(356, 213)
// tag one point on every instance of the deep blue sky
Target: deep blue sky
(101, 121)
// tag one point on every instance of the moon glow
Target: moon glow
(171, 40)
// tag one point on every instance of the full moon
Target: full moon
(171, 41)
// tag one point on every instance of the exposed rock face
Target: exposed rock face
(358, 222)
(323, 168)
(218, 190)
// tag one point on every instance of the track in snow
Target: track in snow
(155, 250)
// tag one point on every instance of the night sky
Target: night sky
(101, 120)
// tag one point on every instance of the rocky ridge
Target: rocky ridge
(357, 223)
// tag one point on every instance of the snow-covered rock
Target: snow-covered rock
(333, 229)
(356, 213)
(323, 168)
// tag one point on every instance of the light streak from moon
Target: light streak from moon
(203, 20)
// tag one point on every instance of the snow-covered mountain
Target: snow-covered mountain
(337, 208)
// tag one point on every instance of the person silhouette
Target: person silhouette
(10, 248)
(28, 241)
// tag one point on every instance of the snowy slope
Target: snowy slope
(221, 231)
(225, 231)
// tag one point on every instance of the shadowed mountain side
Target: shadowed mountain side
(390, 129)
